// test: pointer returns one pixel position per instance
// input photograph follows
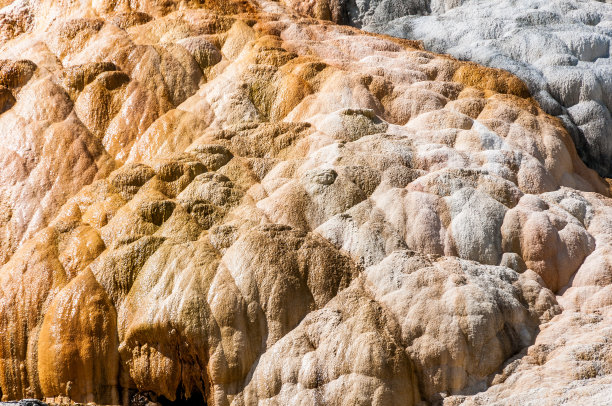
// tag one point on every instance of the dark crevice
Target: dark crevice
(196, 398)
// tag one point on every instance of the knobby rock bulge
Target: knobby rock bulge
(230, 200)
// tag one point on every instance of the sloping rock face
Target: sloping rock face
(227, 201)
(560, 48)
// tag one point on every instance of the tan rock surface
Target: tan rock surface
(229, 200)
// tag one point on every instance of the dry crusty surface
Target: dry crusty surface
(227, 199)
(560, 48)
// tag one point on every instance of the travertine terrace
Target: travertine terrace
(560, 48)
(233, 202)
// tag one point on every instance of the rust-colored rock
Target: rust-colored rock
(77, 345)
(227, 200)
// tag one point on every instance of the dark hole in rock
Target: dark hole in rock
(196, 398)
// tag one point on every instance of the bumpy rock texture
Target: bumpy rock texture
(229, 201)
(560, 48)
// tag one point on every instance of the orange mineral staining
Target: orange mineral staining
(229, 202)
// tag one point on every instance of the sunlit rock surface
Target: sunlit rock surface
(229, 201)
(560, 48)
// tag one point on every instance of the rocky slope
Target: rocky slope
(227, 201)
(560, 48)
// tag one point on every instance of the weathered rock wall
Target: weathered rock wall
(561, 49)
(231, 200)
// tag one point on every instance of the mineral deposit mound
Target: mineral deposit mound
(241, 202)
(560, 48)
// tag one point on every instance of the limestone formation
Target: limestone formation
(561, 49)
(229, 202)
